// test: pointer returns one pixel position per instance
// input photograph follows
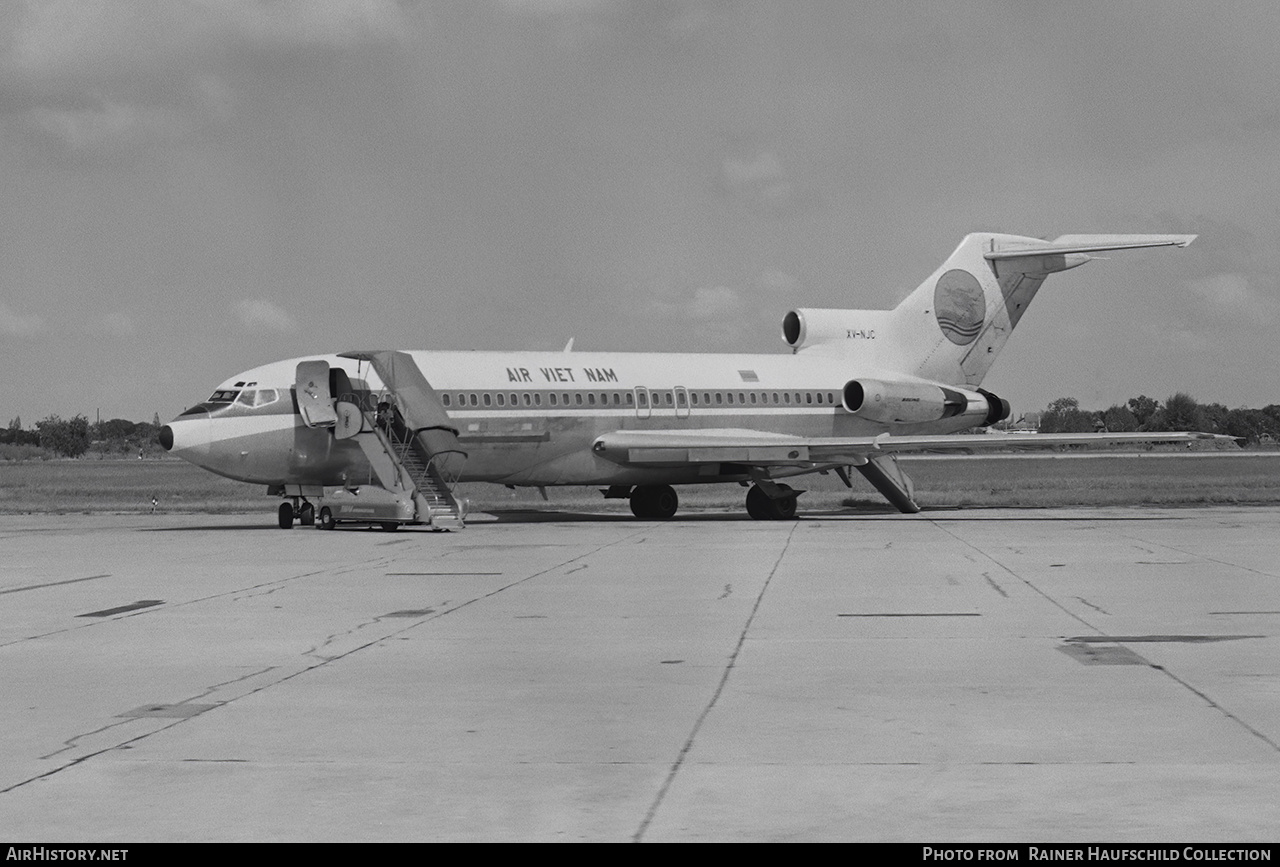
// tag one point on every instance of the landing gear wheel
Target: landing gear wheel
(654, 501)
(307, 515)
(326, 521)
(286, 516)
(784, 509)
(390, 526)
(763, 508)
(758, 504)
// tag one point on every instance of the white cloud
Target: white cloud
(713, 301)
(307, 23)
(1224, 289)
(116, 324)
(112, 123)
(17, 324)
(56, 36)
(1232, 296)
(773, 280)
(263, 315)
(95, 73)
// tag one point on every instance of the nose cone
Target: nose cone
(188, 436)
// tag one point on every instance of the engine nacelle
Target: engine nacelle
(810, 326)
(920, 402)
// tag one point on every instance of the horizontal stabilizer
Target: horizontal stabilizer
(1066, 244)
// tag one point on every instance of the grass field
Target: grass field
(1040, 481)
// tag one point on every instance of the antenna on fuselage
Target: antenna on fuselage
(568, 347)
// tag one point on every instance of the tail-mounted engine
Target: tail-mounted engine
(810, 326)
(918, 402)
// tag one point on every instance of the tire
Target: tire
(307, 515)
(326, 521)
(654, 501)
(665, 502)
(761, 507)
(784, 509)
(285, 516)
(390, 526)
(640, 505)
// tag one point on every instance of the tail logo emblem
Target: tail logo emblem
(960, 306)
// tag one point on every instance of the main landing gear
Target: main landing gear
(762, 507)
(654, 501)
(299, 510)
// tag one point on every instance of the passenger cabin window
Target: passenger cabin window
(445, 399)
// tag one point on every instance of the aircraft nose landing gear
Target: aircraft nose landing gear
(300, 510)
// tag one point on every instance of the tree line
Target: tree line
(73, 437)
(1180, 412)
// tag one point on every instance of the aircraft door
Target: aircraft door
(642, 402)
(682, 402)
(312, 388)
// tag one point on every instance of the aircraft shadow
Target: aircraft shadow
(553, 516)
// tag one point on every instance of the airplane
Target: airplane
(384, 436)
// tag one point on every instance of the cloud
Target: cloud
(60, 37)
(111, 124)
(100, 73)
(116, 324)
(1232, 296)
(260, 314)
(1228, 290)
(713, 301)
(773, 280)
(17, 324)
(759, 180)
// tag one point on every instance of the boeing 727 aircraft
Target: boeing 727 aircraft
(382, 436)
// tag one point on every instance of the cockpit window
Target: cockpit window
(223, 396)
(252, 398)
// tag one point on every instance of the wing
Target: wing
(762, 449)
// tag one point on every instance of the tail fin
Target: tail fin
(953, 326)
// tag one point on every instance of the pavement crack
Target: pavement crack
(994, 585)
(638, 837)
(1084, 601)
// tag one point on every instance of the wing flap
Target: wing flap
(761, 448)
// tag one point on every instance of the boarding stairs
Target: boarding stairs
(412, 448)
(431, 489)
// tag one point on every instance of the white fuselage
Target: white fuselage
(530, 418)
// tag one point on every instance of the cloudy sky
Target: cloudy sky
(189, 188)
